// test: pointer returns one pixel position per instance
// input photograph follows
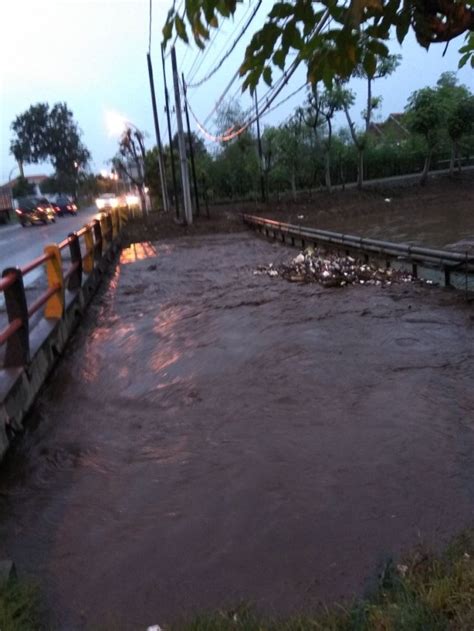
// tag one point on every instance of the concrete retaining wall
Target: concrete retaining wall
(19, 387)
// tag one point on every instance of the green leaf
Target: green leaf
(279, 58)
(464, 59)
(402, 27)
(281, 10)
(267, 75)
(167, 31)
(370, 64)
(180, 28)
(377, 48)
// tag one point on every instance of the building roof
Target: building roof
(32, 179)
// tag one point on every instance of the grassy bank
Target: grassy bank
(19, 607)
(425, 592)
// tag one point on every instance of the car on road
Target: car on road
(64, 206)
(107, 200)
(34, 210)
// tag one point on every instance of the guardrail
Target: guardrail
(447, 261)
(87, 248)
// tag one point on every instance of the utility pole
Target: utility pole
(260, 153)
(188, 208)
(191, 148)
(161, 165)
(170, 139)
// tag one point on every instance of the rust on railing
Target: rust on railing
(6, 282)
(9, 330)
(29, 267)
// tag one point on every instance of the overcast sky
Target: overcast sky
(92, 55)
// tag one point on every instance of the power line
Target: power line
(223, 47)
(231, 49)
(200, 58)
(269, 97)
(230, 133)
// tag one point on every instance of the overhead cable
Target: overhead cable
(280, 84)
(231, 49)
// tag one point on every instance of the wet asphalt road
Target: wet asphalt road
(20, 245)
(212, 437)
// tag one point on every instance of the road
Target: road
(19, 245)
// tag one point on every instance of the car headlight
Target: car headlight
(132, 200)
(114, 203)
(100, 203)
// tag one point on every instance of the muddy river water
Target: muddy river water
(213, 437)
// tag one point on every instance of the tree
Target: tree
(320, 110)
(42, 134)
(357, 34)
(458, 116)
(384, 67)
(63, 142)
(22, 188)
(460, 123)
(130, 159)
(424, 117)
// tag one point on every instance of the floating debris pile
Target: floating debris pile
(333, 270)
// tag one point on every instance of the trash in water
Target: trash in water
(334, 270)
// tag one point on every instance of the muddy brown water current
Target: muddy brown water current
(212, 437)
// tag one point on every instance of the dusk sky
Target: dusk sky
(92, 55)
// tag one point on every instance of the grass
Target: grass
(424, 592)
(19, 607)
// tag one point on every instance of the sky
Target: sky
(91, 54)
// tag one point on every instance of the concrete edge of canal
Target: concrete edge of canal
(19, 387)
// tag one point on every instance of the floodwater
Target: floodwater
(213, 437)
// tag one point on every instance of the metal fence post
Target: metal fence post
(447, 277)
(17, 352)
(97, 228)
(88, 264)
(54, 306)
(75, 279)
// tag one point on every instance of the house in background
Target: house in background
(35, 180)
(392, 130)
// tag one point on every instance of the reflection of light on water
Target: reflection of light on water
(166, 320)
(170, 454)
(163, 359)
(137, 252)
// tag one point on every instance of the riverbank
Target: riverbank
(437, 215)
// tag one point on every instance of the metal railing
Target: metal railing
(87, 247)
(446, 261)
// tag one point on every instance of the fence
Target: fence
(446, 261)
(88, 248)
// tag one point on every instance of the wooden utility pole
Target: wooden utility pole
(188, 208)
(191, 148)
(260, 153)
(170, 139)
(161, 165)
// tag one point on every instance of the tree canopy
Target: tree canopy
(43, 133)
(332, 37)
